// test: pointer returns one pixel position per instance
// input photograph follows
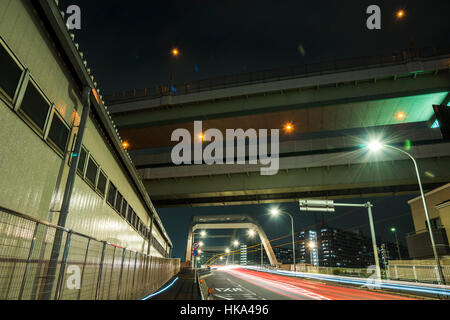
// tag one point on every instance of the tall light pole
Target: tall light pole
(376, 146)
(394, 230)
(276, 212)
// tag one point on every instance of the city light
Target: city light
(274, 211)
(393, 229)
(227, 250)
(125, 145)
(251, 233)
(375, 146)
(236, 243)
(201, 244)
(175, 52)
(312, 245)
(203, 233)
(400, 14)
(289, 127)
(400, 116)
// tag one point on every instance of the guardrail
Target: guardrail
(403, 56)
(440, 291)
(84, 269)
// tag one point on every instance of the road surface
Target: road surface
(244, 284)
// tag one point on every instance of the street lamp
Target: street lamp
(376, 146)
(251, 233)
(394, 230)
(276, 212)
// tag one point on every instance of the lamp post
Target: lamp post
(276, 212)
(376, 146)
(394, 230)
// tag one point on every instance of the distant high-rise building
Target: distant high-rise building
(243, 255)
(333, 247)
(283, 255)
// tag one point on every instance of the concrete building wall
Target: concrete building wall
(33, 175)
(433, 199)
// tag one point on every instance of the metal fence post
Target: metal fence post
(396, 273)
(112, 269)
(62, 269)
(100, 271)
(120, 277)
(415, 273)
(134, 274)
(84, 267)
(30, 255)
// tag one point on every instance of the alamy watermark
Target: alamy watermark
(74, 19)
(208, 148)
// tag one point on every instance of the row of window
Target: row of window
(95, 177)
(23, 94)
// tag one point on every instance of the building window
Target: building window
(435, 223)
(124, 209)
(101, 184)
(112, 194)
(35, 106)
(82, 161)
(129, 214)
(91, 171)
(10, 74)
(135, 220)
(59, 132)
(118, 202)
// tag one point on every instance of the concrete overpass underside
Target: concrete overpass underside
(333, 114)
(374, 179)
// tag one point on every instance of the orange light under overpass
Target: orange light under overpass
(289, 127)
(400, 14)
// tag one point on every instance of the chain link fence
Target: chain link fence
(32, 267)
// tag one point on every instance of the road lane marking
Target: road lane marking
(277, 285)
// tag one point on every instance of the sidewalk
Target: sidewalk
(183, 289)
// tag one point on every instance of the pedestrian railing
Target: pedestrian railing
(418, 273)
(34, 267)
(286, 73)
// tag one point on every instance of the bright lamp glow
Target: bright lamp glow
(236, 243)
(201, 244)
(251, 233)
(312, 245)
(274, 211)
(203, 233)
(375, 146)
(227, 250)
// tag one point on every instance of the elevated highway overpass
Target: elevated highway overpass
(334, 108)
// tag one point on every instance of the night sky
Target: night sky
(128, 45)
